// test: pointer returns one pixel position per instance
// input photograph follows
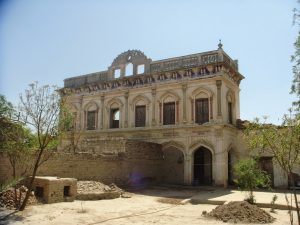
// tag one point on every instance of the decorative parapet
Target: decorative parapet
(75, 82)
(184, 67)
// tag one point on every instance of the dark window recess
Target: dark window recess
(114, 118)
(169, 113)
(39, 191)
(67, 191)
(230, 112)
(202, 112)
(140, 116)
(91, 120)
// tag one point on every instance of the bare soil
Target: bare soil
(144, 207)
(240, 212)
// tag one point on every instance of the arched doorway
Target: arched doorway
(202, 167)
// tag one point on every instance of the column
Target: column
(187, 169)
(219, 100)
(184, 86)
(153, 92)
(81, 115)
(126, 94)
(102, 112)
(220, 174)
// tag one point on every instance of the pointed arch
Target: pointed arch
(170, 94)
(174, 144)
(142, 97)
(202, 142)
(115, 100)
(204, 90)
(91, 105)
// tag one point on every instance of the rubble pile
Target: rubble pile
(240, 212)
(7, 198)
(96, 186)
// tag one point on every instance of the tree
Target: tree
(250, 177)
(295, 89)
(281, 142)
(42, 110)
(6, 108)
(15, 143)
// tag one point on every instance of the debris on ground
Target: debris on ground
(240, 212)
(95, 190)
(7, 198)
(96, 186)
(171, 201)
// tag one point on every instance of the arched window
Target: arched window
(169, 113)
(202, 110)
(169, 108)
(230, 105)
(140, 115)
(202, 105)
(91, 120)
(91, 114)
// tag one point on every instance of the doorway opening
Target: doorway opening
(202, 167)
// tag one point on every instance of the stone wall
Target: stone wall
(128, 163)
(5, 169)
(173, 166)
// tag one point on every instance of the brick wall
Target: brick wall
(125, 163)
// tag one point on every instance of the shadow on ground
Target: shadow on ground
(9, 217)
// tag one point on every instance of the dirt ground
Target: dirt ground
(150, 206)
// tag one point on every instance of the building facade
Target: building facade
(188, 106)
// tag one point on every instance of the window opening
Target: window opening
(115, 118)
(117, 73)
(230, 112)
(141, 69)
(129, 70)
(202, 111)
(39, 192)
(169, 113)
(140, 116)
(66, 191)
(91, 120)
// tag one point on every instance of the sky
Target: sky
(50, 40)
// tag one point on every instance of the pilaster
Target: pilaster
(219, 98)
(184, 87)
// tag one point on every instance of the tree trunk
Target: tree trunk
(15, 187)
(295, 197)
(31, 180)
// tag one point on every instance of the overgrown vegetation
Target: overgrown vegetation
(250, 177)
(281, 142)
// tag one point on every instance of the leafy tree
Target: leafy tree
(281, 142)
(15, 144)
(6, 108)
(42, 110)
(250, 177)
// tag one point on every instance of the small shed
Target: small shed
(55, 189)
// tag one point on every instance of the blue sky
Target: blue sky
(50, 40)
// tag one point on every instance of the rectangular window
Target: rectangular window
(169, 113)
(202, 111)
(91, 120)
(140, 116)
